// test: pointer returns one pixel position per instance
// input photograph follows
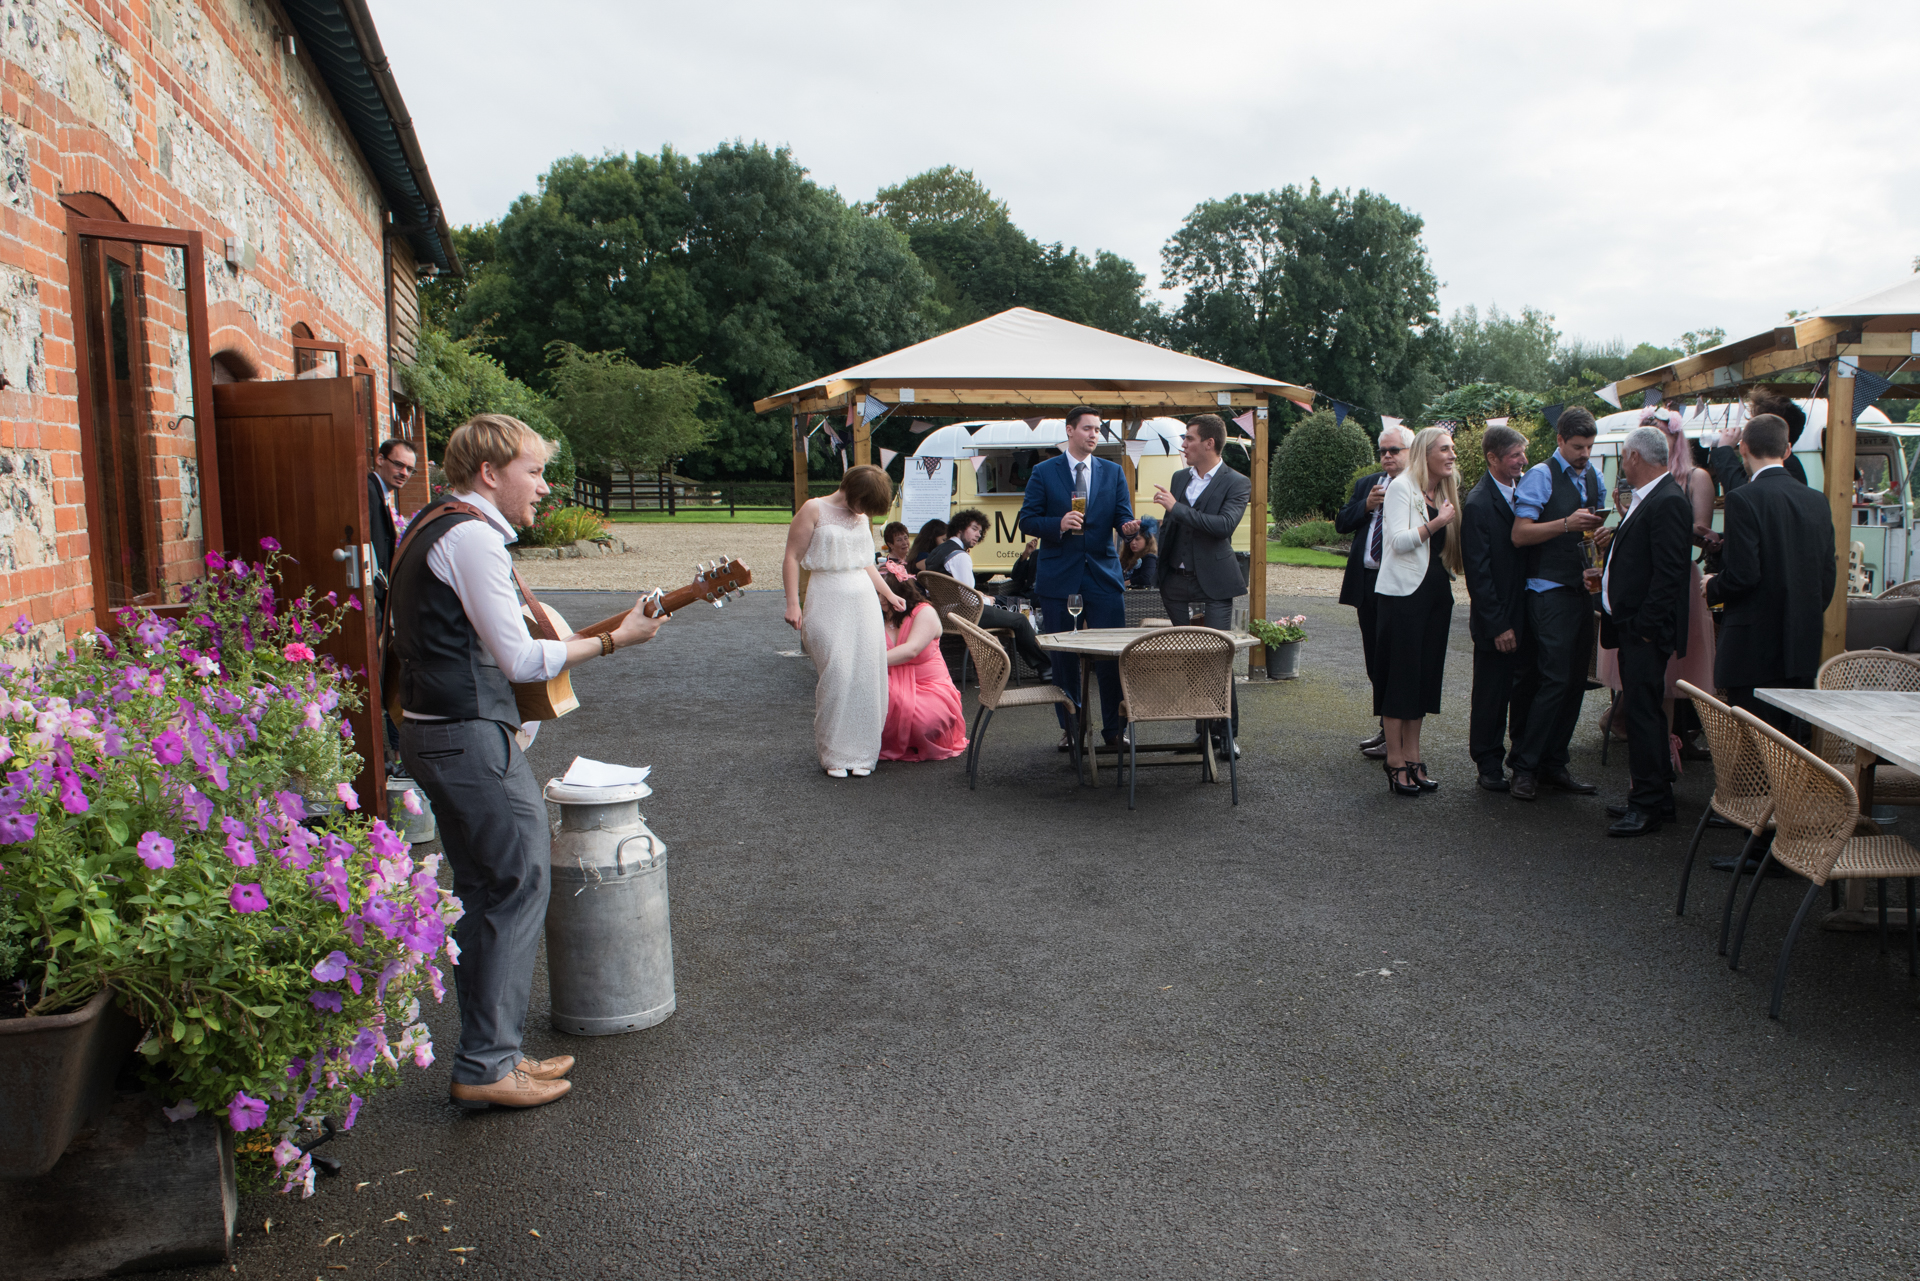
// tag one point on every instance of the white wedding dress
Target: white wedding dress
(847, 640)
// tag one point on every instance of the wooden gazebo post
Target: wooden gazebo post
(1257, 540)
(1837, 457)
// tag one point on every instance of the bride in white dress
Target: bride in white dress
(832, 538)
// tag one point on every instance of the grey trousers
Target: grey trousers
(493, 825)
(1179, 593)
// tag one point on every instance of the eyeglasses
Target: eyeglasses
(1392, 449)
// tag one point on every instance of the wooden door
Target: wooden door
(293, 467)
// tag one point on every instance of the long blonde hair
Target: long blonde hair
(1448, 488)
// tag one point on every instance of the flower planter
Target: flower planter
(55, 1073)
(1283, 661)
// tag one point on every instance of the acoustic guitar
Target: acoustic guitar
(549, 700)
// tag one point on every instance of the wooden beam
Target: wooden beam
(1838, 450)
(1257, 544)
(799, 462)
(1187, 399)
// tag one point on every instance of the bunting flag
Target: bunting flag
(1609, 393)
(870, 409)
(1496, 422)
(833, 435)
(1552, 414)
(1387, 421)
(1340, 411)
(1302, 398)
(1867, 388)
(1244, 447)
(976, 460)
(1245, 422)
(920, 427)
(1649, 398)
(853, 413)
(1137, 448)
(887, 456)
(1033, 424)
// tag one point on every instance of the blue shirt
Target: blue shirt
(1535, 490)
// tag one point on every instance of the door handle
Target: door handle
(350, 556)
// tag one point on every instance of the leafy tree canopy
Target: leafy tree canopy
(451, 382)
(625, 418)
(939, 196)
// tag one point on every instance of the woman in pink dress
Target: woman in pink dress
(925, 721)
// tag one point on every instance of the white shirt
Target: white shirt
(472, 559)
(1639, 495)
(960, 567)
(1758, 470)
(1197, 485)
(1379, 514)
(1506, 491)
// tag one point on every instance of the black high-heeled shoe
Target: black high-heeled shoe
(1411, 787)
(1419, 771)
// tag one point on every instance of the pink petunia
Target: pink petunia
(155, 850)
(246, 1112)
(348, 797)
(241, 852)
(297, 652)
(169, 748)
(410, 801)
(312, 718)
(247, 896)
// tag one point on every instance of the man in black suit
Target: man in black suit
(391, 468)
(1203, 508)
(1360, 520)
(1644, 604)
(1505, 671)
(1724, 459)
(1777, 575)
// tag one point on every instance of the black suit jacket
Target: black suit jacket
(1724, 462)
(1353, 521)
(382, 534)
(1647, 571)
(1202, 533)
(1777, 574)
(1496, 569)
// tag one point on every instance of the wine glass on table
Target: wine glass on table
(1074, 606)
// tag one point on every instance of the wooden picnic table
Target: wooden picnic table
(1094, 644)
(1883, 726)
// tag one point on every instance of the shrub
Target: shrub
(1309, 533)
(563, 526)
(1314, 465)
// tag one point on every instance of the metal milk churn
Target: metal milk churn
(609, 940)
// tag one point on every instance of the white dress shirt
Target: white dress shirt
(472, 559)
(1379, 514)
(1197, 485)
(960, 567)
(1506, 491)
(1639, 495)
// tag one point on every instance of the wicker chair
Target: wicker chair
(1179, 674)
(952, 599)
(1869, 669)
(1823, 836)
(1741, 793)
(1909, 588)
(991, 661)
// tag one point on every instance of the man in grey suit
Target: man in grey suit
(1197, 564)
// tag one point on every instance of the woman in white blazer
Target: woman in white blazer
(1415, 606)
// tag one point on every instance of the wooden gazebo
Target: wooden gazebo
(1024, 363)
(1877, 334)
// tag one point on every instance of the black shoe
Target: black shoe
(1668, 813)
(1494, 782)
(1419, 769)
(1378, 740)
(1636, 822)
(1566, 782)
(1524, 786)
(1401, 779)
(1375, 753)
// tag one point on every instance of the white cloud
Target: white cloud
(1637, 169)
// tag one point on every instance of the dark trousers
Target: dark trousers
(1104, 610)
(1561, 622)
(1778, 717)
(1643, 688)
(1503, 690)
(493, 826)
(1178, 595)
(992, 616)
(1369, 616)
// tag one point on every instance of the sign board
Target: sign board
(927, 492)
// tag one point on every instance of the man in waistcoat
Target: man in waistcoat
(1555, 505)
(460, 642)
(954, 558)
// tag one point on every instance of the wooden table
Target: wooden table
(1094, 644)
(1882, 725)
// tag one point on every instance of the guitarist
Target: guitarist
(460, 640)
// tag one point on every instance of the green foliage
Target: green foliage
(440, 297)
(939, 196)
(736, 264)
(623, 417)
(1469, 458)
(1309, 533)
(1476, 403)
(1327, 289)
(1313, 463)
(560, 469)
(14, 938)
(564, 526)
(452, 381)
(156, 847)
(1515, 351)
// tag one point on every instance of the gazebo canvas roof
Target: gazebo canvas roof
(1027, 358)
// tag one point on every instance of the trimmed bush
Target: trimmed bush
(1314, 464)
(1309, 533)
(564, 526)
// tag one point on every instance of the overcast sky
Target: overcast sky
(1637, 169)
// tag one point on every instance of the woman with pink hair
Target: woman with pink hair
(1696, 665)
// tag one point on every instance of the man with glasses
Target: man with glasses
(1360, 520)
(392, 468)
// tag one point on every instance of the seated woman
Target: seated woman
(1140, 560)
(894, 542)
(931, 535)
(925, 721)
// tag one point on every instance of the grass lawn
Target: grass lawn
(701, 518)
(1276, 554)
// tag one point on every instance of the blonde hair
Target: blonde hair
(488, 438)
(1448, 487)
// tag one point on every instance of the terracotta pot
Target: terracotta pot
(56, 1072)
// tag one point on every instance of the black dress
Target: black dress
(1410, 640)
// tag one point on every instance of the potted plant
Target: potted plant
(154, 851)
(1283, 638)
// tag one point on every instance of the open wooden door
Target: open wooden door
(293, 467)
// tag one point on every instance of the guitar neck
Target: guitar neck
(670, 603)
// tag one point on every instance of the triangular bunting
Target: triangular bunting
(1137, 448)
(1649, 398)
(920, 427)
(1340, 411)
(1552, 414)
(1609, 393)
(1496, 422)
(1033, 424)
(976, 460)
(871, 409)
(887, 456)
(1245, 422)
(1386, 421)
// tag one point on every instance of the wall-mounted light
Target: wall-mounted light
(285, 40)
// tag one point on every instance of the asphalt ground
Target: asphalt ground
(1021, 1032)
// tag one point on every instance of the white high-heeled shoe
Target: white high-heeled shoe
(836, 773)
(858, 772)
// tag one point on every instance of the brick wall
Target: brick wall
(183, 115)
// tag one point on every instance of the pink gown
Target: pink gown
(925, 721)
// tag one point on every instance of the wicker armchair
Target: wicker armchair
(1179, 674)
(1741, 793)
(952, 599)
(1869, 669)
(991, 661)
(1822, 836)
(1909, 588)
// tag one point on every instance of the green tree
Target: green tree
(451, 382)
(1517, 351)
(621, 417)
(1313, 466)
(441, 296)
(939, 197)
(1329, 289)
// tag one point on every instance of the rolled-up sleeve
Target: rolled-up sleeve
(472, 559)
(1531, 495)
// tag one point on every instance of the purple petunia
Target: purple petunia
(246, 1112)
(348, 797)
(333, 968)
(155, 850)
(241, 852)
(325, 1000)
(197, 809)
(247, 896)
(366, 1048)
(169, 748)
(152, 631)
(353, 1111)
(291, 806)
(216, 562)
(269, 544)
(16, 829)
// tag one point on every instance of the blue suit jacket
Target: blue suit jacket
(1083, 563)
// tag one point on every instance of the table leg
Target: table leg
(1086, 721)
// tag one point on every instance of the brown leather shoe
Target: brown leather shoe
(1523, 787)
(548, 1069)
(514, 1090)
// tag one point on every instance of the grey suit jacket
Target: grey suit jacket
(1201, 534)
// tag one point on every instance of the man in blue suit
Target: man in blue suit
(1077, 555)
